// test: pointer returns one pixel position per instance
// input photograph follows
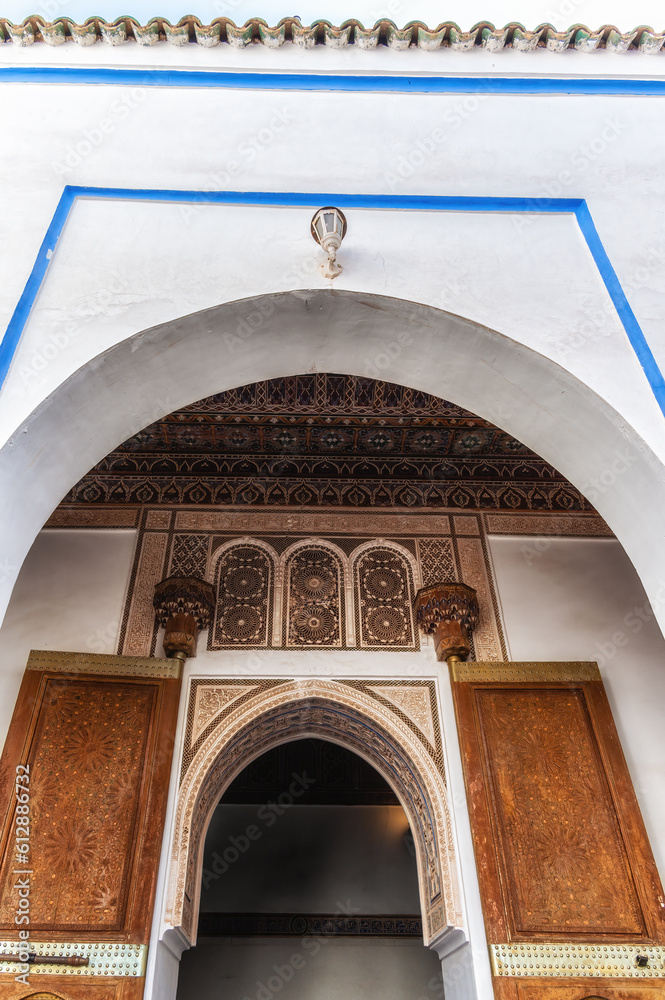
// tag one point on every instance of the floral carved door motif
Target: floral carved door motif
(568, 882)
(83, 782)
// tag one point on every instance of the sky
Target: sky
(561, 13)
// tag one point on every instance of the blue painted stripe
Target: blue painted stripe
(621, 304)
(314, 199)
(438, 203)
(370, 83)
(17, 323)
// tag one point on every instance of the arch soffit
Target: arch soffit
(291, 710)
(525, 393)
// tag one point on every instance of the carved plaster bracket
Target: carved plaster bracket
(184, 604)
(448, 611)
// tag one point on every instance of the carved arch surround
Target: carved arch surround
(341, 714)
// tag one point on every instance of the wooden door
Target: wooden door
(572, 900)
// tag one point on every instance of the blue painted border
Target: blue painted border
(369, 83)
(428, 203)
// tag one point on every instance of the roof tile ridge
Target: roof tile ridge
(385, 32)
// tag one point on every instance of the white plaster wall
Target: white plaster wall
(123, 266)
(574, 599)
(309, 859)
(495, 269)
(70, 596)
(120, 268)
(324, 968)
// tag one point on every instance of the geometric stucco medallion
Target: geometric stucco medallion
(211, 700)
(414, 702)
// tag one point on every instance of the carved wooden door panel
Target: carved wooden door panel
(83, 785)
(571, 895)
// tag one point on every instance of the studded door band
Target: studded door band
(567, 961)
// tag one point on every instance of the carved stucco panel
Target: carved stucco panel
(141, 618)
(414, 702)
(474, 572)
(210, 701)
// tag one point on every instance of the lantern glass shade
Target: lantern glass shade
(327, 222)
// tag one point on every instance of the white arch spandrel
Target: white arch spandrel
(169, 366)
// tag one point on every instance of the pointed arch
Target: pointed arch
(342, 714)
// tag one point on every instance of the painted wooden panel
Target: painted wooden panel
(561, 851)
(66, 988)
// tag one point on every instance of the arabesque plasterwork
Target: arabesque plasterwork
(358, 620)
(414, 701)
(343, 714)
(210, 700)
